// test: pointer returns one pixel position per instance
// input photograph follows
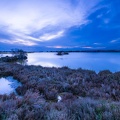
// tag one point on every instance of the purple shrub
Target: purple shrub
(51, 95)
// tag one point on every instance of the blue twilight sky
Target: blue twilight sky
(59, 24)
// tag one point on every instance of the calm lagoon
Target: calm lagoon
(92, 61)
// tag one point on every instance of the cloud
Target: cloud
(49, 18)
(97, 43)
(88, 47)
(18, 41)
(59, 46)
(106, 21)
(115, 40)
(49, 36)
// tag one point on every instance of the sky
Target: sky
(37, 25)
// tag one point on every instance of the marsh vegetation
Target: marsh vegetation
(60, 94)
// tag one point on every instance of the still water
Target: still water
(8, 85)
(91, 61)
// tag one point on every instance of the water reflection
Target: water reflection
(92, 61)
(8, 85)
(43, 59)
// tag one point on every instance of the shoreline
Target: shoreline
(69, 51)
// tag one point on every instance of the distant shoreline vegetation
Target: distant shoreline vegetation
(17, 55)
(7, 52)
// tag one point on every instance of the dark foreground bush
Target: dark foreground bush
(32, 107)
